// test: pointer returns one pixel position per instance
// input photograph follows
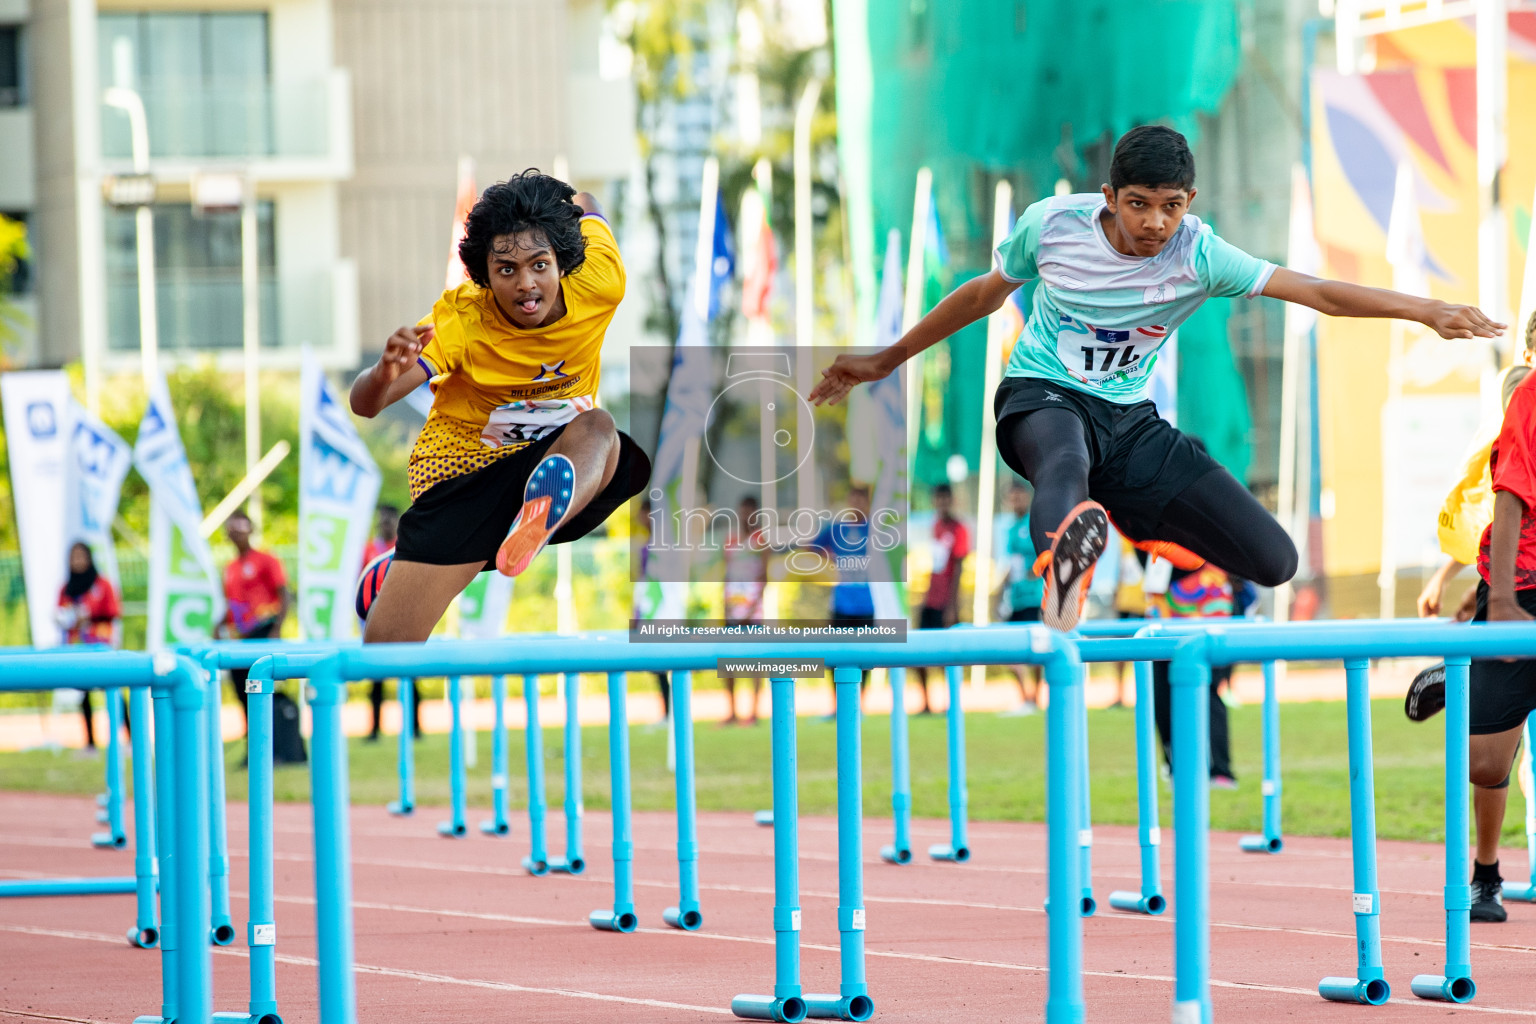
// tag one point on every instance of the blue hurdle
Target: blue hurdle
(537, 861)
(1527, 893)
(179, 688)
(111, 813)
(1351, 642)
(1029, 644)
(958, 849)
(406, 764)
(686, 915)
(574, 863)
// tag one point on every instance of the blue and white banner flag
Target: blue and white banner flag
(483, 606)
(37, 436)
(338, 491)
(98, 462)
(186, 599)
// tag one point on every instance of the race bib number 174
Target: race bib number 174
(1100, 355)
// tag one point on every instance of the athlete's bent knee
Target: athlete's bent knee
(1275, 562)
(1062, 468)
(595, 421)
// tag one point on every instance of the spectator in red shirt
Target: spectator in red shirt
(951, 543)
(256, 591)
(1503, 692)
(88, 613)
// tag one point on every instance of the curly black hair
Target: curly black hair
(530, 201)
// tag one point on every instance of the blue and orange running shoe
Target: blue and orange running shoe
(1068, 566)
(546, 499)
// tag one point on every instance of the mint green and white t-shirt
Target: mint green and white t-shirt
(1100, 316)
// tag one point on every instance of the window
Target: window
(205, 79)
(11, 92)
(198, 291)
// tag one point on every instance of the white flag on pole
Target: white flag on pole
(98, 463)
(37, 435)
(338, 489)
(186, 599)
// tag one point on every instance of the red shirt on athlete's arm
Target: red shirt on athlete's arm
(253, 589)
(1513, 467)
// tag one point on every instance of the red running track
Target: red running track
(453, 930)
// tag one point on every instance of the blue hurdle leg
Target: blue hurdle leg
(957, 849)
(1189, 677)
(622, 917)
(261, 927)
(221, 932)
(852, 1001)
(146, 928)
(574, 862)
(407, 802)
(455, 828)
(333, 849)
(1086, 903)
(165, 827)
(114, 837)
(1527, 893)
(498, 825)
(1270, 841)
(1368, 986)
(194, 996)
(899, 852)
(686, 915)
(537, 861)
(1456, 984)
(1150, 899)
(1065, 760)
(786, 1004)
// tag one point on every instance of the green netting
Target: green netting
(976, 89)
(1213, 403)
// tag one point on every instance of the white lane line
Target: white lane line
(395, 972)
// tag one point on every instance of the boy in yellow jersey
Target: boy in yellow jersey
(514, 454)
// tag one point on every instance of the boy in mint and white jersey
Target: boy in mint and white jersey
(1119, 272)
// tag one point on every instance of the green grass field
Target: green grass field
(1005, 757)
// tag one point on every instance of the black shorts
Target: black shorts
(1503, 692)
(1138, 462)
(930, 618)
(1024, 615)
(465, 518)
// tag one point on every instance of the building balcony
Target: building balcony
(200, 316)
(286, 131)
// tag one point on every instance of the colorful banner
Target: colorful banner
(37, 435)
(98, 462)
(1413, 118)
(186, 599)
(338, 491)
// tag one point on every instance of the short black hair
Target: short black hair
(238, 513)
(530, 201)
(389, 510)
(944, 489)
(1154, 156)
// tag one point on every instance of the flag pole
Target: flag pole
(1290, 378)
(805, 276)
(986, 477)
(912, 309)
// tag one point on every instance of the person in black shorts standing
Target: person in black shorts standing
(941, 604)
(1119, 272)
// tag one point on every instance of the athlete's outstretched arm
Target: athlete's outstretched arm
(395, 375)
(978, 298)
(1336, 298)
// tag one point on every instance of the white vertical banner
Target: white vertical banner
(37, 423)
(887, 405)
(186, 599)
(338, 489)
(483, 606)
(98, 462)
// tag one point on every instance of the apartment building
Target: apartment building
(325, 135)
